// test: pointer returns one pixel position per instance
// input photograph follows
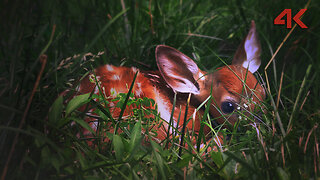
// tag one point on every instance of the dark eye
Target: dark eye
(227, 107)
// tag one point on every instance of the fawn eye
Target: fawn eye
(227, 107)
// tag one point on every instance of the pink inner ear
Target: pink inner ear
(252, 48)
(248, 52)
(177, 69)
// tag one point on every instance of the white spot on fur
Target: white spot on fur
(98, 78)
(115, 77)
(109, 67)
(138, 92)
(96, 90)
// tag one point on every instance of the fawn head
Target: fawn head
(235, 90)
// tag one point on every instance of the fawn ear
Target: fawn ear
(177, 69)
(248, 52)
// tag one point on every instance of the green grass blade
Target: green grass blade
(77, 102)
(55, 112)
(184, 125)
(118, 147)
(170, 125)
(298, 97)
(83, 123)
(135, 137)
(126, 100)
(103, 30)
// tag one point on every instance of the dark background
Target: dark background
(129, 39)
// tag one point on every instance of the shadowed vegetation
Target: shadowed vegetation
(49, 145)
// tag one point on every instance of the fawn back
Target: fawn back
(233, 88)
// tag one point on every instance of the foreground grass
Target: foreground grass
(288, 143)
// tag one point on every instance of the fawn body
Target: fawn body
(233, 86)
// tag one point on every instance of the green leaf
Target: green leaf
(237, 158)
(146, 102)
(56, 162)
(185, 159)
(81, 160)
(56, 110)
(135, 136)
(103, 30)
(46, 155)
(282, 175)
(118, 147)
(77, 102)
(217, 158)
(159, 161)
(83, 123)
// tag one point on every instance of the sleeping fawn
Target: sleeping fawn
(234, 89)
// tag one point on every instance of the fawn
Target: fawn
(234, 87)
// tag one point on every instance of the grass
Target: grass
(48, 146)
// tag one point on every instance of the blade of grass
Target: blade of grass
(184, 125)
(103, 30)
(245, 164)
(171, 118)
(126, 101)
(135, 137)
(280, 87)
(274, 55)
(43, 60)
(203, 120)
(298, 98)
(83, 123)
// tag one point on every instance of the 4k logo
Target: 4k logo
(296, 18)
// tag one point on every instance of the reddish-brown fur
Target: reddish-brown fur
(146, 83)
(234, 85)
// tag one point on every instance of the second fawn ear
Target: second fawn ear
(177, 69)
(248, 52)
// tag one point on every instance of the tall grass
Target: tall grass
(50, 147)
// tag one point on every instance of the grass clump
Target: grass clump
(50, 144)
